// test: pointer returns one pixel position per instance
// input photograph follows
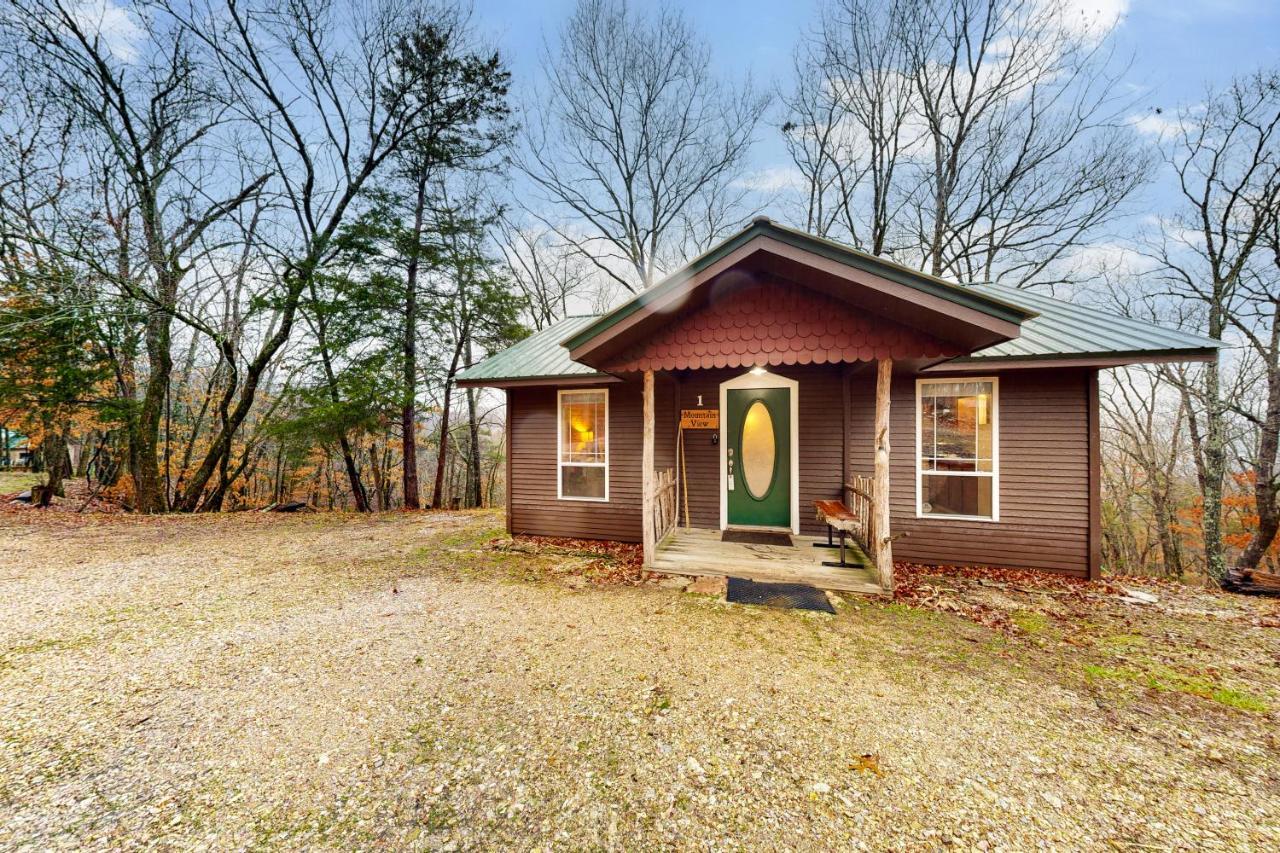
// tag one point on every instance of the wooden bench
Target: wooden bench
(837, 517)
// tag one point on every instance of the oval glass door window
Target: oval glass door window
(759, 450)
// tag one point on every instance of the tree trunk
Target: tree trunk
(348, 456)
(221, 444)
(1266, 485)
(375, 469)
(474, 473)
(56, 461)
(437, 492)
(1165, 518)
(145, 428)
(1215, 462)
(408, 412)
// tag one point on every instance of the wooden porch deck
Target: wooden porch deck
(699, 551)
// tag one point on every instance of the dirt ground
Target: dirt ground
(397, 681)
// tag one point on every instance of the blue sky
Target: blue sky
(1177, 46)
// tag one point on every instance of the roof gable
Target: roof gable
(941, 308)
(768, 322)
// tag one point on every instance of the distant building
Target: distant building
(16, 449)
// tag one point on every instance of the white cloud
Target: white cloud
(111, 23)
(1093, 18)
(1159, 124)
(772, 179)
(1112, 259)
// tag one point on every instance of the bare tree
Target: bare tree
(1144, 444)
(151, 121)
(980, 139)
(324, 89)
(635, 145)
(1260, 327)
(1226, 156)
(551, 277)
(847, 127)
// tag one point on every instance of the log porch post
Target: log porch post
(882, 548)
(647, 495)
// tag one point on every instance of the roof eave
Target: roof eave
(1084, 359)
(523, 381)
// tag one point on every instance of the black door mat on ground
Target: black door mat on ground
(756, 537)
(788, 596)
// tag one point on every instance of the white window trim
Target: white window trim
(561, 464)
(995, 451)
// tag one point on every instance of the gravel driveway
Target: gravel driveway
(257, 681)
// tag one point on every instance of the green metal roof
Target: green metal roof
(1053, 329)
(763, 227)
(1064, 330)
(539, 356)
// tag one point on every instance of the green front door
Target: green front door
(758, 456)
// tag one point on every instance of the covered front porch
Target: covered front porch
(700, 552)
(696, 468)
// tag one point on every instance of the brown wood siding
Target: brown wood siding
(1044, 475)
(1044, 465)
(532, 503)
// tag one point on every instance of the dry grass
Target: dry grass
(339, 682)
(12, 482)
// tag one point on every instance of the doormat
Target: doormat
(788, 596)
(756, 537)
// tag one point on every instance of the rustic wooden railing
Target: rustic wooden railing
(666, 509)
(860, 497)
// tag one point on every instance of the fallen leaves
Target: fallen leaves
(868, 763)
(994, 597)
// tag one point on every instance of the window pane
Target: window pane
(928, 435)
(943, 495)
(583, 426)
(956, 426)
(581, 482)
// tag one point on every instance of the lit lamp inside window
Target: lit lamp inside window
(583, 434)
(982, 409)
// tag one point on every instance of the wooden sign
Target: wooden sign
(699, 419)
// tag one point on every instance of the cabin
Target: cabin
(784, 395)
(15, 450)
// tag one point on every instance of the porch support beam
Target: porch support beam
(647, 488)
(882, 547)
